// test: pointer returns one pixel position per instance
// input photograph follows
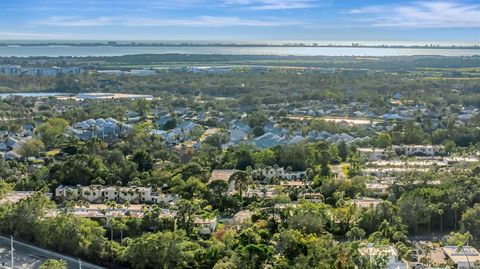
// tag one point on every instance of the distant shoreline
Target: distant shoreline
(286, 45)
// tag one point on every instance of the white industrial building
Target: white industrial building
(17, 70)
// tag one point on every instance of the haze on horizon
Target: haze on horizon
(439, 21)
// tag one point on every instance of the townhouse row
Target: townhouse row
(100, 194)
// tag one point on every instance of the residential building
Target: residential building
(237, 135)
(390, 253)
(14, 197)
(372, 154)
(11, 155)
(99, 194)
(101, 128)
(377, 188)
(463, 258)
(279, 173)
(420, 150)
(312, 196)
(366, 202)
(206, 225)
(223, 174)
(296, 184)
(102, 211)
(243, 217)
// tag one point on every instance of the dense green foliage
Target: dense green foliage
(287, 229)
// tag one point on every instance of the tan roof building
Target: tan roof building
(366, 202)
(221, 174)
(224, 175)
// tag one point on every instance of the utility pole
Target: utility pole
(11, 249)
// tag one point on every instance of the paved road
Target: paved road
(30, 257)
(22, 259)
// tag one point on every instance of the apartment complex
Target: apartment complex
(280, 173)
(100, 194)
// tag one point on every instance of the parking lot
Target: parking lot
(430, 253)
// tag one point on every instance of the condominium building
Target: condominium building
(279, 173)
(99, 194)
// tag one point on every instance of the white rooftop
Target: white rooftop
(464, 255)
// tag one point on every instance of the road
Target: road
(30, 257)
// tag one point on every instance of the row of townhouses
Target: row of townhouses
(100, 128)
(100, 194)
(279, 173)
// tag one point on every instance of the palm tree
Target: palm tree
(119, 224)
(94, 130)
(68, 206)
(432, 208)
(83, 203)
(355, 233)
(70, 140)
(241, 180)
(465, 238)
(111, 205)
(455, 206)
(428, 250)
(440, 212)
(126, 205)
(310, 174)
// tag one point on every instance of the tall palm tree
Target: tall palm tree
(241, 180)
(465, 238)
(94, 130)
(440, 212)
(119, 224)
(126, 205)
(432, 209)
(455, 206)
(111, 205)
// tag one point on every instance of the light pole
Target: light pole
(79, 264)
(11, 249)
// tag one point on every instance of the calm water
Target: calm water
(54, 51)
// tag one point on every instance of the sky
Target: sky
(242, 20)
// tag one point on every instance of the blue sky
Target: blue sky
(242, 20)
